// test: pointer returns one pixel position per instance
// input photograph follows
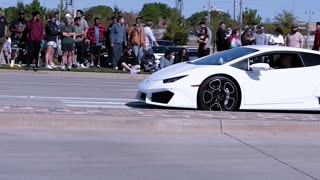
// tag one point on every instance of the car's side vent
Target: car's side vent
(319, 100)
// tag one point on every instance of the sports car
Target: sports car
(249, 77)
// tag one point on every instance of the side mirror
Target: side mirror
(258, 67)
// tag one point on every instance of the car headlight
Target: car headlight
(174, 79)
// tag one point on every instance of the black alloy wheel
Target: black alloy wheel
(219, 93)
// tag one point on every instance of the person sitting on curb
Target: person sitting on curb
(149, 61)
(130, 62)
(166, 60)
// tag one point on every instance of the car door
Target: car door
(280, 84)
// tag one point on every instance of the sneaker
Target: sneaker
(53, 65)
(138, 70)
(35, 69)
(73, 66)
(91, 65)
(63, 68)
(49, 67)
(98, 66)
(78, 64)
(69, 68)
(83, 66)
(133, 71)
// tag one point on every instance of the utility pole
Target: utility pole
(241, 14)
(209, 13)
(308, 26)
(60, 9)
(234, 10)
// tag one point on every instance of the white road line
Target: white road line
(65, 98)
(90, 102)
(96, 106)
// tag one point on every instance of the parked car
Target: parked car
(192, 53)
(165, 43)
(158, 52)
(175, 49)
(248, 77)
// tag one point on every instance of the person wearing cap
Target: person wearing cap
(149, 61)
(18, 35)
(3, 30)
(316, 44)
(36, 34)
(294, 38)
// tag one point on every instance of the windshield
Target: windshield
(224, 56)
(160, 49)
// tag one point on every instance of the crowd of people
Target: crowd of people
(232, 38)
(129, 47)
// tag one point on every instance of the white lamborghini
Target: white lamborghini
(250, 77)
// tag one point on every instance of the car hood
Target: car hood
(175, 70)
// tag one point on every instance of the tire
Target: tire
(219, 93)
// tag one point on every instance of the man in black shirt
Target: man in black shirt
(18, 35)
(222, 39)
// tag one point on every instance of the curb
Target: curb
(73, 74)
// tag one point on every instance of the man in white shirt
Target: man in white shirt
(150, 39)
(276, 38)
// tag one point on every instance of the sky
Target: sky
(266, 8)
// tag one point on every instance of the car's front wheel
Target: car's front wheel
(219, 93)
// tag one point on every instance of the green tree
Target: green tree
(284, 20)
(34, 6)
(153, 11)
(102, 12)
(175, 30)
(195, 19)
(249, 17)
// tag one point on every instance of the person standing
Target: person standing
(68, 33)
(83, 23)
(117, 38)
(260, 37)
(36, 35)
(150, 39)
(276, 39)
(110, 51)
(19, 35)
(234, 40)
(222, 39)
(96, 34)
(3, 30)
(52, 31)
(138, 38)
(204, 25)
(316, 43)
(79, 41)
(247, 37)
(203, 40)
(294, 38)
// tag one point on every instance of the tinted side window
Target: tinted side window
(243, 65)
(310, 59)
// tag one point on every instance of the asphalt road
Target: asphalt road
(65, 125)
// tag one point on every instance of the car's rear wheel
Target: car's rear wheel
(219, 93)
